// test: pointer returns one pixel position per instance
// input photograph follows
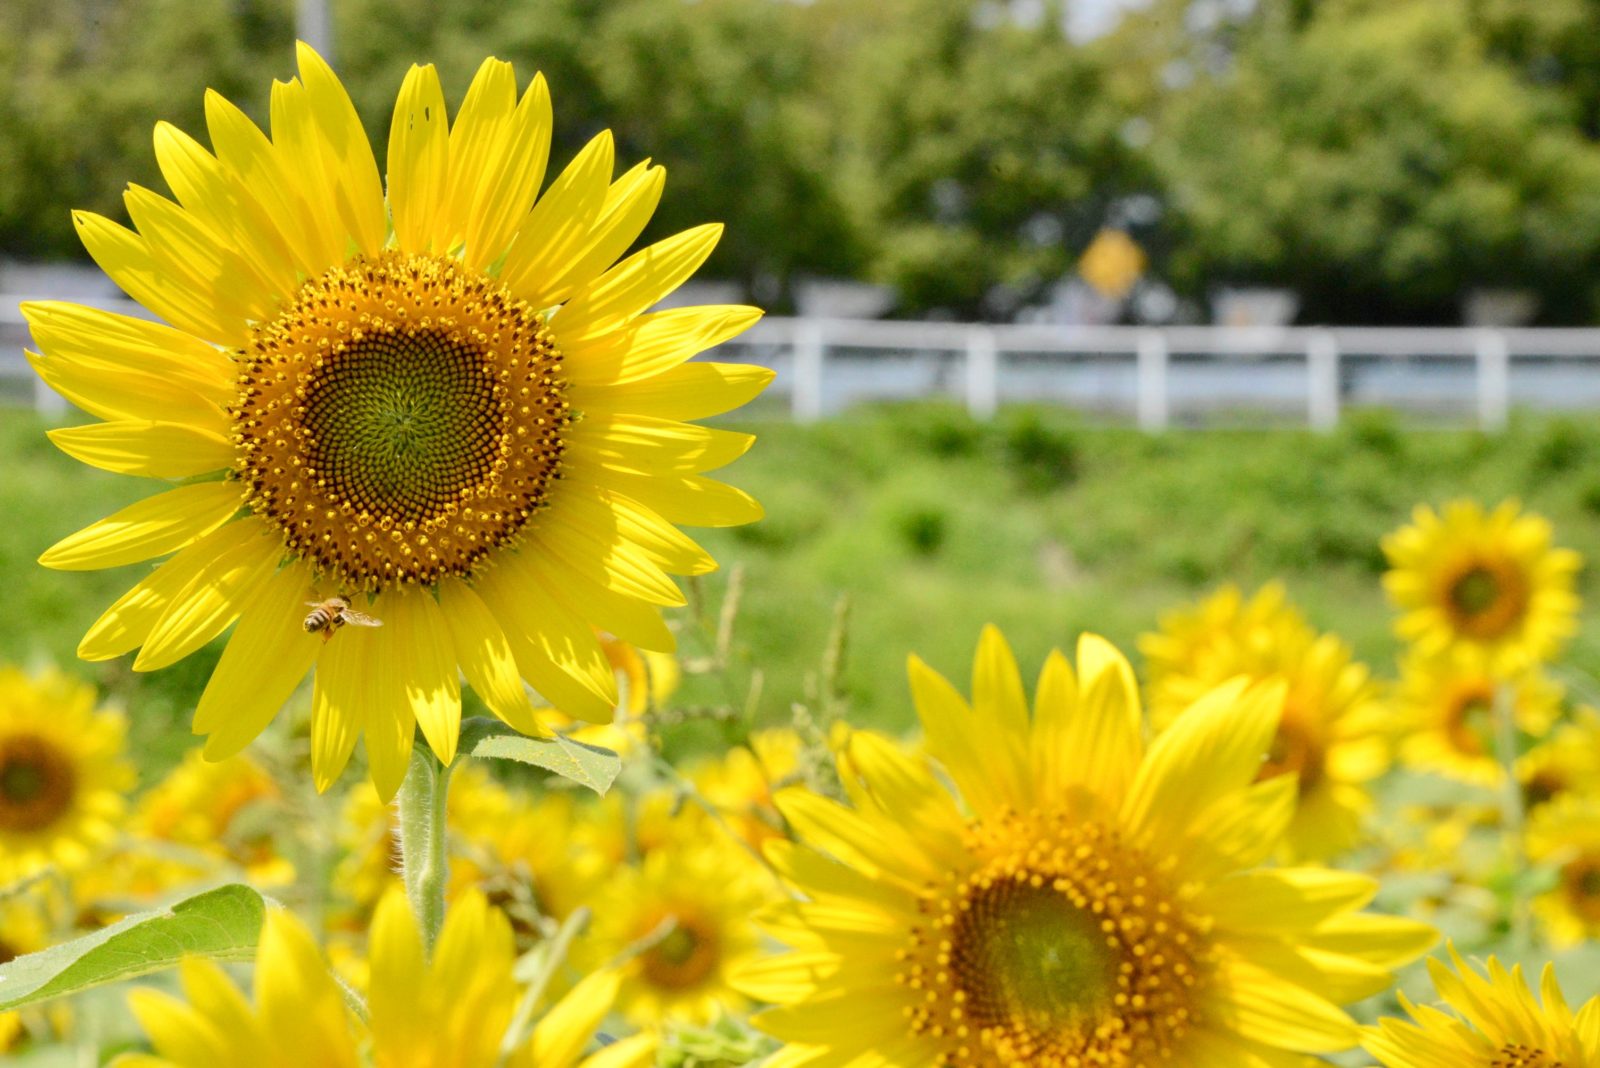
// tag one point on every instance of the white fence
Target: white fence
(1155, 376)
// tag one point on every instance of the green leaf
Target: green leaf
(586, 765)
(222, 924)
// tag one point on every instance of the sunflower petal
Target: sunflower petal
(154, 526)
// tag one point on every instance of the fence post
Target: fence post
(983, 385)
(1494, 380)
(809, 347)
(1322, 378)
(1152, 381)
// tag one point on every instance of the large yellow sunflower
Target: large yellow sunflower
(1085, 901)
(64, 777)
(452, 1011)
(1488, 583)
(1444, 707)
(435, 398)
(1498, 1023)
(1332, 735)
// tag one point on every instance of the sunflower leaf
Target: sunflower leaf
(586, 765)
(222, 924)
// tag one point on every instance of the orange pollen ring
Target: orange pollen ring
(1066, 947)
(401, 418)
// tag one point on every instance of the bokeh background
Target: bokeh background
(1365, 162)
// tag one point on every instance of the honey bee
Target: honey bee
(329, 615)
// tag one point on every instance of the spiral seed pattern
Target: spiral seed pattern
(1067, 948)
(399, 420)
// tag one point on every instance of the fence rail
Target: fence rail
(1156, 376)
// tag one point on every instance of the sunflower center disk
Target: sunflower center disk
(400, 419)
(37, 784)
(1581, 879)
(1296, 750)
(1485, 599)
(1066, 949)
(683, 957)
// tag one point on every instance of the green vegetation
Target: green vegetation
(932, 525)
(1382, 156)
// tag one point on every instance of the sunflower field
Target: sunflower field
(388, 716)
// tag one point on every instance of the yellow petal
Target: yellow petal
(1212, 749)
(194, 255)
(252, 161)
(213, 599)
(566, 1029)
(106, 341)
(225, 205)
(690, 501)
(127, 260)
(1102, 742)
(556, 651)
(485, 656)
(427, 668)
(127, 623)
(153, 450)
(628, 205)
(266, 657)
(653, 343)
(419, 159)
(641, 444)
(151, 527)
(636, 284)
(692, 391)
(352, 171)
(504, 172)
(338, 707)
(560, 222)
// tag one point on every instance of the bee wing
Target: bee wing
(313, 604)
(350, 616)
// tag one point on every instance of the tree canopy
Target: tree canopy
(1382, 157)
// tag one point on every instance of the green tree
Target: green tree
(982, 150)
(82, 83)
(1382, 161)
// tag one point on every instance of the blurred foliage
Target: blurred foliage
(1380, 156)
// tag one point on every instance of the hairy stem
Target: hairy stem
(422, 840)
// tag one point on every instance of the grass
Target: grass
(932, 525)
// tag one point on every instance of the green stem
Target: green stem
(422, 840)
(1512, 816)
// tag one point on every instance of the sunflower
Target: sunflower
(1488, 583)
(1498, 1023)
(1565, 835)
(451, 1011)
(64, 778)
(1445, 709)
(444, 406)
(1084, 902)
(229, 809)
(1332, 734)
(687, 912)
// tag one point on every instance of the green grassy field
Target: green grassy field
(932, 525)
